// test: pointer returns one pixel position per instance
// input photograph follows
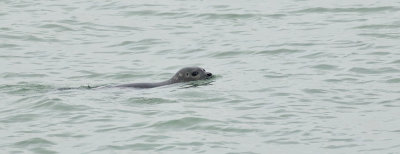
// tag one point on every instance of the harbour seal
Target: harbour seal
(183, 75)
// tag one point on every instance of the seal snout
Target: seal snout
(209, 74)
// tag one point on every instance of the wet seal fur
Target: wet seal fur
(183, 75)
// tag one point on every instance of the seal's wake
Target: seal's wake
(183, 75)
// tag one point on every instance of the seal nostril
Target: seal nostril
(209, 74)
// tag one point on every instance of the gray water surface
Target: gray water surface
(292, 76)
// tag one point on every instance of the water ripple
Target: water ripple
(56, 27)
(289, 76)
(384, 70)
(346, 10)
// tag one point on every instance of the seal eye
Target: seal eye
(195, 73)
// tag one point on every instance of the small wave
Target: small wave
(182, 123)
(140, 42)
(88, 74)
(5, 36)
(276, 75)
(8, 45)
(20, 118)
(341, 146)
(325, 67)
(227, 54)
(339, 10)
(135, 146)
(382, 35)
(153, 13)
(226, 16)
(314, 55)
(122, 43)
(314, 91)
(22, 75)
(142, 13)
(39, 39)
(380, 53)
(341, 80)
(361, 70)
(395, 80)
(225, 129)
(56, 27)
(278, 51)
(34, 141)
(36, 145)
(396, 62)
(236, 15)
(144, 100)
(282, 141)
(25, 88)
(56, 104)
(378, 27)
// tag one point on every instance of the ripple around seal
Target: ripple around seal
(56, 104)
(25, 88)
(145, 100)
(22, 75)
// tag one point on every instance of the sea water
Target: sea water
(291, 76)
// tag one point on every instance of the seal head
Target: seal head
(190, 74)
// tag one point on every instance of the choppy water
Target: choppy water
(292, 76)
